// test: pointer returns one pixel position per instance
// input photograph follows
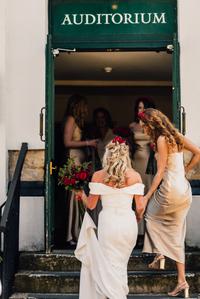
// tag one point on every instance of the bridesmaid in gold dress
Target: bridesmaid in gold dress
(169, 197)
(141, 155)
(75, 115)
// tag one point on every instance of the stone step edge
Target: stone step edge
(75, 296)
(77, 274)
(71, 254)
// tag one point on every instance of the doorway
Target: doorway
(113, 80)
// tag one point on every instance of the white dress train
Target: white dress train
(105, 259)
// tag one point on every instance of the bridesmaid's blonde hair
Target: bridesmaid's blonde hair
(116, 161)
(157, 124)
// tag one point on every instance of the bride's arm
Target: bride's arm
(188, 145)
(161, 165)
(139, 206)
(91, 200)
(134, 178)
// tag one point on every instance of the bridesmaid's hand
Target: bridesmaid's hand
(92, 142)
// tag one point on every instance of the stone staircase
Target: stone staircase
(56, 275)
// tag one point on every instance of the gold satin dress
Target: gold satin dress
(167, 210)
(75, 209)
(139, 163)
(141, 157)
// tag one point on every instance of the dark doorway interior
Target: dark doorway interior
(132, 75)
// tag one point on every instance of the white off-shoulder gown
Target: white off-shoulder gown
(104, 259)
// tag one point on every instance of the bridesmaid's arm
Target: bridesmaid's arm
(188, 145)
(161, 165)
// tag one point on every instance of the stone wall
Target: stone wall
(33, 169)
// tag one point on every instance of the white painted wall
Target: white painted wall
(3, 155)
(31, 233)
(25, 70)
(193, 224)
(189, 37)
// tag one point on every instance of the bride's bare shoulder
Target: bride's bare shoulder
(98, 176)
(133, 177)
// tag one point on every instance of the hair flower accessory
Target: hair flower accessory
(119, 140)
(142, 115)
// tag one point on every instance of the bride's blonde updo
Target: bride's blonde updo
(116, 161)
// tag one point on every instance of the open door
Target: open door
(176, 81)
(49, 152)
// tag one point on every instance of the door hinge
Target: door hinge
(57, 51)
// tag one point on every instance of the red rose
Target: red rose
(66, 181)
(152, 146)
(119, 140)
(72, 181)
(77, 175)
(83, 175)
(142, 115)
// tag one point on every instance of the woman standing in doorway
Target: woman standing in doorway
(104, 129)
(169, 204)
(75, 115)
(142, 153)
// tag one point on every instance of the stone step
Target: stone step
(65, 261)
(75, 296)
(156, 282)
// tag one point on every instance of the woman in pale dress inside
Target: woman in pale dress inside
(75, 116)
(141, 154)
(167, 206)
(105, 258)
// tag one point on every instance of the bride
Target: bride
(105, 258)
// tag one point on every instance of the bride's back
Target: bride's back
(116, 197)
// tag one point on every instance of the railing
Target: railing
(9, 228)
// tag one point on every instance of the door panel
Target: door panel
(49, 156)
(176, 82)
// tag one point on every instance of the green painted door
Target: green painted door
(176, 81)
(49, 153)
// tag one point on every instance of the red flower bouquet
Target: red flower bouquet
(74, 177)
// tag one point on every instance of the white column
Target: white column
(3, 155)
(25, 76)
(189, 36)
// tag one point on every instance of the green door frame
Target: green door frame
(49, 147)
(176, 82)
(137, 44)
